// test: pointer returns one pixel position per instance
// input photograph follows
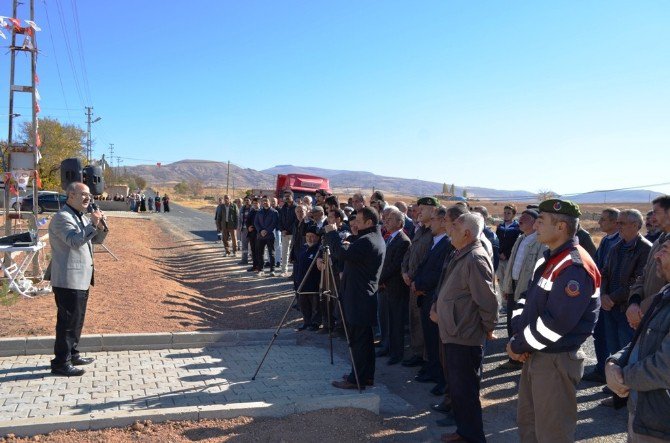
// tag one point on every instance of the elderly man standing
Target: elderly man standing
(265, 223)
(421, 244)
(393, 291)
(467, 310)
(625, 264)
(561, 308)
(525, 253)
(640, 370)
(71, 234)
(650, 282)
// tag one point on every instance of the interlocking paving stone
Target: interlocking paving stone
(161, 379)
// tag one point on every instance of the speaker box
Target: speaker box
(70, 171)
(94, 180)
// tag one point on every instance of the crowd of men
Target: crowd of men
(440, 273)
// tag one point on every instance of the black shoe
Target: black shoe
(301, 328)
(606, 389)
(81, 361)
(442, 407)
(595, 377)
(425, 378)
(449, 420)
(252, 269)
(243, 262)
(67, 370)
(382, 353)
(393, 361)
(412, 361)
(267, 264)
(439, 389)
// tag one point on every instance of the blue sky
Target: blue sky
(568, 96)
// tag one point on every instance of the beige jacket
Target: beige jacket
(421, 244)
(649, 283)
(533, 253)
(467, 307)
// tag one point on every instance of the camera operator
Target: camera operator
(362, 260)
(71, 234)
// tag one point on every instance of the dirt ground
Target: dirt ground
(327, 425)
(156, 286)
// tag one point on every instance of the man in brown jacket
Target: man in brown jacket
(467, 310)
(421, 244)
(650, 282)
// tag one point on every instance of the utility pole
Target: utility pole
(22, 156)
(228, 177)
(89, 149)
(111, 158)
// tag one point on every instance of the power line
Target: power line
(80, 44)
(68, 50)
(53, 45)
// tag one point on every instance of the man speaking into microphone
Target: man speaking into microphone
(71, 234)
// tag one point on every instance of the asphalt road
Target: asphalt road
(191, 221)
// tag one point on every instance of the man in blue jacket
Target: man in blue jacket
(265, 222)
(363, 261)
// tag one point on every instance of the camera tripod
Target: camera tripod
(327, 292)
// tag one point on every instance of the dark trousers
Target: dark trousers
(71, 305)
(464, 373)
(363, 351)
(396, 324)
(309, 307)
(600, 343)
(261, 243)
(509, 308)
(256, 262)
(431, 339)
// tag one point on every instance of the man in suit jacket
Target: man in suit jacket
(363, 261)
(71, 234)
(392, 289)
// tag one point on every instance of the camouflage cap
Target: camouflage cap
(428, 201)
(556, 206)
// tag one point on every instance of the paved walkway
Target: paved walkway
(150, 383)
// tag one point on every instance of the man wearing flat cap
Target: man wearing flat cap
(559, 313)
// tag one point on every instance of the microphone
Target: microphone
(93, 207)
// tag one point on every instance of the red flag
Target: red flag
(38, 140)
(37, 79)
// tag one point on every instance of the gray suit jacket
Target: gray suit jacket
(72, 250)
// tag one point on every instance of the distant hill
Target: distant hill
(215, 174)
(627, 196)
(349, 180)
(210, 173)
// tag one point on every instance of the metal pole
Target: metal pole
(6, 163)
(111, 158)
(228, 177)
(89, 109)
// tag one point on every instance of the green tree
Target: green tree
(141, 182)
(465, 193)
(452, 191)
(196, 187)
(445, 189)
(59, 141)
(181, 188)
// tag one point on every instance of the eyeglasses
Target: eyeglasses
(84, 194)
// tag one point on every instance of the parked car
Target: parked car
(46, 201)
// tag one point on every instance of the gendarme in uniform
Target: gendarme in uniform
(550, 324)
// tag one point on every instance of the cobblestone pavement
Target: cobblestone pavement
(159, 379)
